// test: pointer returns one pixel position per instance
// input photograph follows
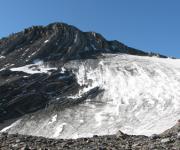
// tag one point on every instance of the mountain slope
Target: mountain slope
(59, 82)
(31, 62)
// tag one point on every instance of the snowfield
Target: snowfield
(141, 96)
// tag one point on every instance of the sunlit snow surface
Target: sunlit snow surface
(141, 96)
(37, 67)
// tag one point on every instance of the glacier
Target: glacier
(141, 96)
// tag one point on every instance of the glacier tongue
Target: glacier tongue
(141, 96)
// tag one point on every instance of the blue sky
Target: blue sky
(149, 25)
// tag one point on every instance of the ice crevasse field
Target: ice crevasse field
(140, 95)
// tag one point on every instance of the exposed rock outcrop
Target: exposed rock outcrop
(57, 42)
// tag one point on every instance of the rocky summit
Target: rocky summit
(37, 74)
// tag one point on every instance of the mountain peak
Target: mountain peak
(59, 41)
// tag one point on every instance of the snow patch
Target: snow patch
(81, 121)
(54, 118)
(37, 67)
(94, 34)
(2, 57)
(46, 41)
(2, 69)
(63, 70)
(12, 125)
(59, 129)
(76, 38)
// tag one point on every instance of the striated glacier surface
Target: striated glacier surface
(139, 95)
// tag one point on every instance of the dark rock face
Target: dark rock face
(22, 93)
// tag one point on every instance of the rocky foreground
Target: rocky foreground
(168, 140)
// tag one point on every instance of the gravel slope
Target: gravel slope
(168, 140)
